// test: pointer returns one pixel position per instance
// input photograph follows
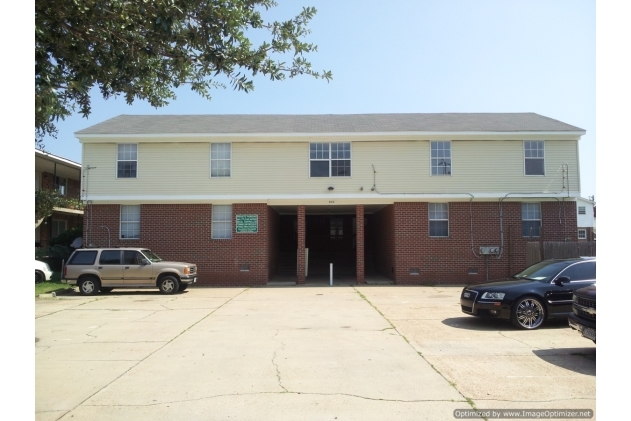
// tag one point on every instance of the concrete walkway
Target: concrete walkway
(308, 353)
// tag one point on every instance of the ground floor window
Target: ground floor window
(130, 222)
(530, 219)
(222, 221)
(439, 219)
(582, 234)
(59, 226)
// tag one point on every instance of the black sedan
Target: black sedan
(540, 292)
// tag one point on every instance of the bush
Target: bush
(66, 238)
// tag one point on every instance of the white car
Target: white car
(42, 272)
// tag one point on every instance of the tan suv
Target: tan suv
(103, 269)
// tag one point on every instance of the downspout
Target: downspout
(374, 188)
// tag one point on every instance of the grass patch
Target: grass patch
(53, 285)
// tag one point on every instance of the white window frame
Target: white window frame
(528, 204)
(543, 158)
(582, 210)
(330, 159)
(431, 158)
(118, 152)
(124, 209)
(584, 232)
(221, 160)
(430, 219)
(219, 219)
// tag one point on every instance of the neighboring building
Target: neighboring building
(56, 173)
(418, 198)
(585, 219)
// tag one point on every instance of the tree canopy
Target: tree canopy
(145, 49)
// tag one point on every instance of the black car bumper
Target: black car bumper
(472, 305)
(587, 328)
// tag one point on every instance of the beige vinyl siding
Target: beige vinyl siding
(492, 166)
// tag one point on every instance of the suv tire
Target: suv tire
(89, 286)
(168, 284)
(183, 287)
(106, 289)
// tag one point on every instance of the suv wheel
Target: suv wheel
(168, 284)
(89, 286)
(528, 313)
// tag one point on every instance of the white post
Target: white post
(331, 274)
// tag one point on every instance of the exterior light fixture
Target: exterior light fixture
(330, 188)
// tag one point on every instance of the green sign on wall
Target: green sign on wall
(247, 223)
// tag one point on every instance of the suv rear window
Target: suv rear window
(83, 258)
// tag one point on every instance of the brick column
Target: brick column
(301, 246)
(359, 243)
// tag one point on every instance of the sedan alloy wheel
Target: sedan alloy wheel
(528, 313)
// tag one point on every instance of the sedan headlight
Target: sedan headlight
(493, 296)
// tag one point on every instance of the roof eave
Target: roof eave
(425, 134)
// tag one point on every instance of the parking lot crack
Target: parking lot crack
(210, 313)
(71, 308)
(521, 342)
(280, 382)
(281, 393)
(468, 400)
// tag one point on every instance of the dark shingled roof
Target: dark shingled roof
(327, 123)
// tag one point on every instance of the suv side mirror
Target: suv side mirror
(561, 280)
(145, 262)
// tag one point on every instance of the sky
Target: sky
(401, 56)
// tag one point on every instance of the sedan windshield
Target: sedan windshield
(542, 271)
(151, 256)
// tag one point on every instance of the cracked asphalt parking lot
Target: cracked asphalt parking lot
(309, 353)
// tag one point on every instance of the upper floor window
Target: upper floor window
(330, 159)
(581, 210)
(61, 185)
(530, 219)
(222, 221)
(534, 157)
(130, 221)
(220, 159)
(127, 164)
(441, 157)
(438, 219)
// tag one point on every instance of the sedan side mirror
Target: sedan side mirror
(561, 280)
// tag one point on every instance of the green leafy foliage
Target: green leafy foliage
(67, 237)
(47, 200)
(145, 49)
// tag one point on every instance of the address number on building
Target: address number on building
(247, 223)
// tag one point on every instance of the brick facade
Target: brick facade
(360, 244)
(401, 247)
(406, 253)
(300, 267)
(72, 220)
(183, 233)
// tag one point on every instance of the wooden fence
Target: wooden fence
(554, 250)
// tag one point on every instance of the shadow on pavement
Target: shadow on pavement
(478, 323)
(583, 363)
